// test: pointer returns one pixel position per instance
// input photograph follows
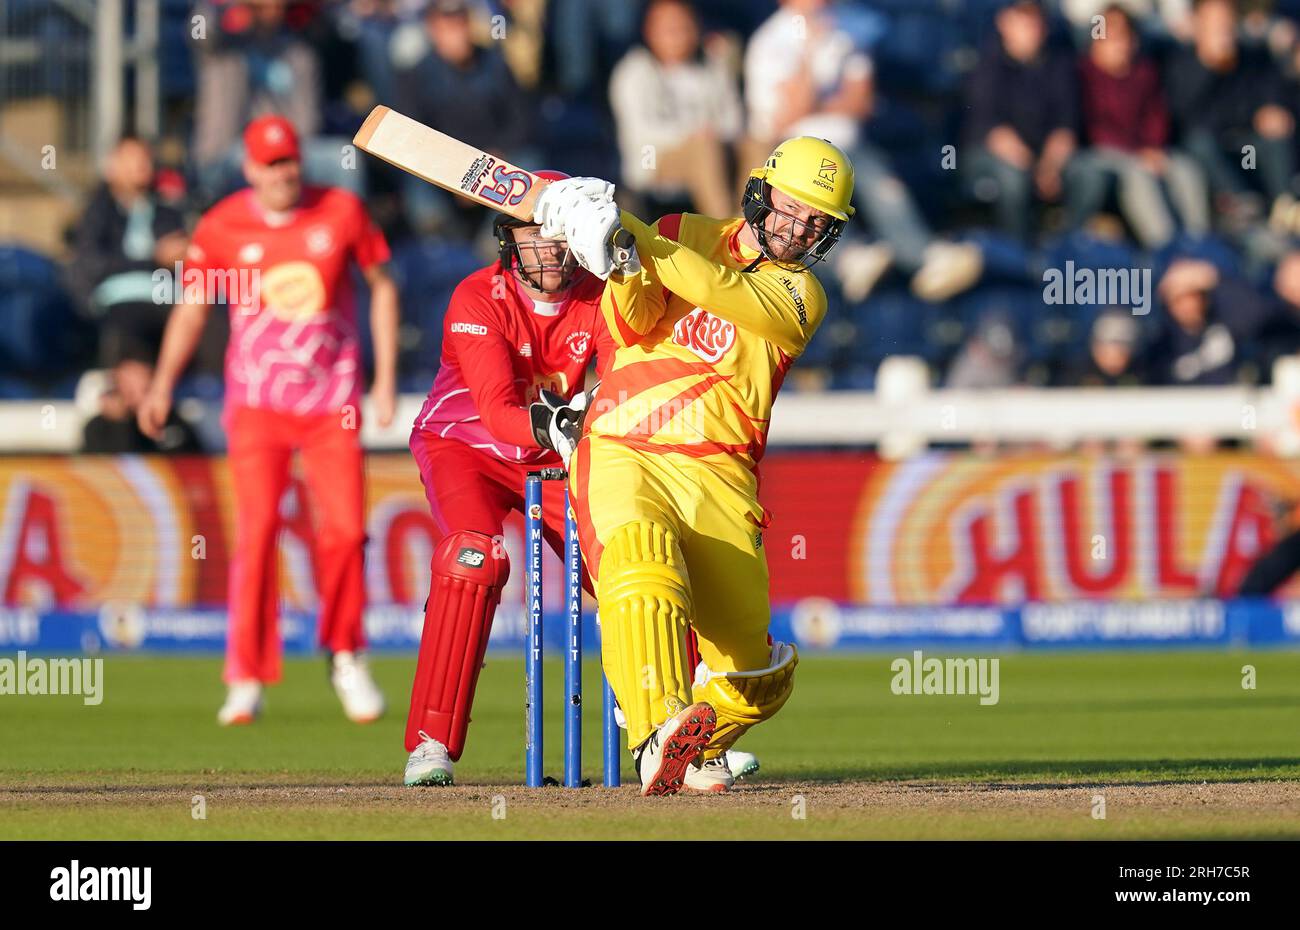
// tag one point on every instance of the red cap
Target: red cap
(270, 138)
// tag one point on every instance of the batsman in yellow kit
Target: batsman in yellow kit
(709, 314)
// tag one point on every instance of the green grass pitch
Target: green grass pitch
(1170, 742)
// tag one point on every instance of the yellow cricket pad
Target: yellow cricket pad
(743, 699)
(645, 603)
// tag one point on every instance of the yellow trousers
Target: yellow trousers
(687, 533)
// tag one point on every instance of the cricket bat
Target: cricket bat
(462, 169)
(449, 163)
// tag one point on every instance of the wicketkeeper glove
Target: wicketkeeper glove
(557, 423)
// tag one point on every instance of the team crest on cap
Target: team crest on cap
(828, 169)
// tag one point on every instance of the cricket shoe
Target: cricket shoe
(742, 764)
(243, 703)
(711, 775)
(663, 759)
(361, 699)
(429, 764)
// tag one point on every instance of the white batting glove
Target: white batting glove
(590, 229)
(560, 197)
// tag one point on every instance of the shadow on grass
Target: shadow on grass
(1075, 773)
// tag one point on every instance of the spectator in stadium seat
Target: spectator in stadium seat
(1280, 336)
(677, 113)
(990, 357)
(1125, 121)
(1210, 325)
(1165, 18)
(805, 75)
(1023, 116)
(126, 234)
(1114, 357)
(467, 92)
(250, 59)
(1225, 96)
(114, 431)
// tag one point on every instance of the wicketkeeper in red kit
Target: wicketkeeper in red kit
(293, 384)
(517, 339)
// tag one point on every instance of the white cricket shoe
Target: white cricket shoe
(357, 691)
(742, 764)
(662, 760)
(429, 764)
(711, 775)
(243, 703)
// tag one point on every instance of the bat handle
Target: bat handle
(625, 258)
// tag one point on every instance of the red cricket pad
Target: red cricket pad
(469, 572)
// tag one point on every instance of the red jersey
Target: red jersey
(293, 328)
(500, 348)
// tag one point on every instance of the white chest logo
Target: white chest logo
(705, 334)
(579, 343)
(320, 240)
(251, 254)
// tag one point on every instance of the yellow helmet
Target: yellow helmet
(812, 171)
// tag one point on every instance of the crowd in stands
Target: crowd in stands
(993, 141)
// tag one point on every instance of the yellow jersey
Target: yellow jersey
(705, 333)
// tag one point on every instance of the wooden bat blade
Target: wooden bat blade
(449, 163)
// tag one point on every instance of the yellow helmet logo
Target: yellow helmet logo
(813, 171)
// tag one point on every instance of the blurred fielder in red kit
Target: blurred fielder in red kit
(293, 384)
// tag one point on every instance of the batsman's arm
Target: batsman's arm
(784, 308)
(180, 339)
(632, 304)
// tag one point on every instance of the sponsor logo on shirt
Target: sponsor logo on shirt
(526, 350)
(579, 344)
(473, 329)
(797, 297)
(706, 335)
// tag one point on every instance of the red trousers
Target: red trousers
(261, 446)
(470, 489)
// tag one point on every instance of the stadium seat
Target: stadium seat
(427, 271)
(891, 322)
(40, 332)
(16, 389)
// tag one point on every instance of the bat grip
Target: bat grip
(624, 246)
